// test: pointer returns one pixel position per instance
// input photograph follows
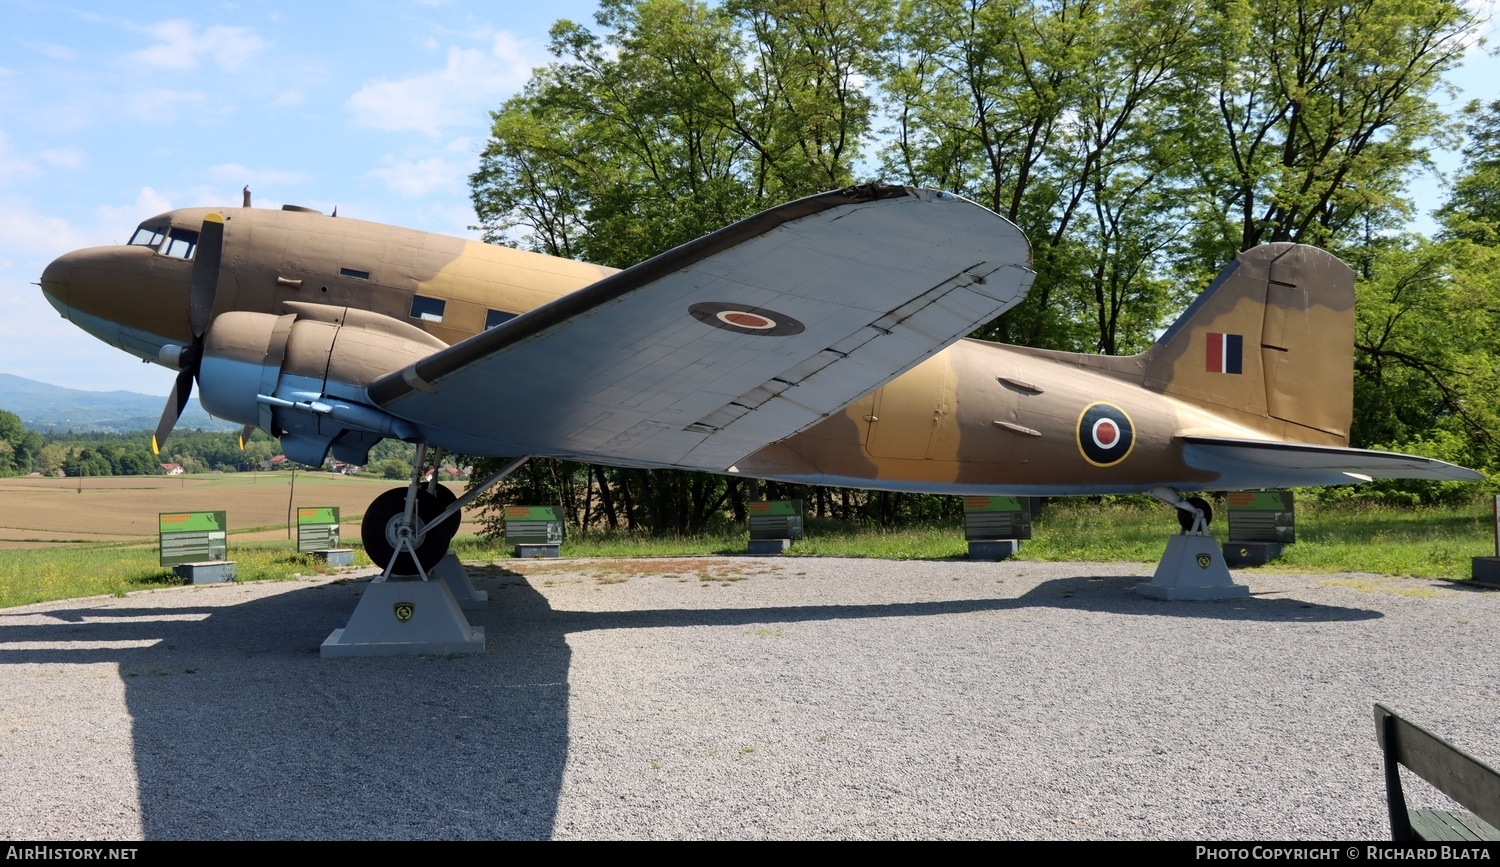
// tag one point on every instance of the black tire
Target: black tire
(378, 531)
(1185, 519)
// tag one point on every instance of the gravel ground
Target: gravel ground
(746, 699)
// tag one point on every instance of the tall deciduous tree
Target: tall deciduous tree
(1318, 112)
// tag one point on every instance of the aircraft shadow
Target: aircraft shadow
(241, 731)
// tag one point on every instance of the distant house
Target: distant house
(171, 469)
(276, 463)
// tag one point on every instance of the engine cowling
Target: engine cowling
(302, 376)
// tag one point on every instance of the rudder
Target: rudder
(1272, 338)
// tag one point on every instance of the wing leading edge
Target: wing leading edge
(1245, 464)
(746, 336)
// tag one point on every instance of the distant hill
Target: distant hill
(52, 409)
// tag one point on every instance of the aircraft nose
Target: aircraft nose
(56, 279)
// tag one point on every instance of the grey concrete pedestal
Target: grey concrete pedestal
(451, 572)
(405, 618)
(337, 557)
(1192, 568)
(209, 572)
(993, 549)
(768, 547)
(1486, 571)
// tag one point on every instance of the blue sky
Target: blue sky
(113, 112)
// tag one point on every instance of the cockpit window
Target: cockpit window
(180, 243)
(148, 236)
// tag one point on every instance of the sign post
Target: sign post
(1261, 524)
(534, 531)
(774, 526)
(318, 535)
(195, 545)
(994, 527)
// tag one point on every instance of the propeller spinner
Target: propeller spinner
(201, 291)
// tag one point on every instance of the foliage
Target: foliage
(19, 447)
(612, 499)
(1139, 143)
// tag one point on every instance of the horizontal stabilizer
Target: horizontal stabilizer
(1245, 464)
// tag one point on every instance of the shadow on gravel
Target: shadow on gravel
(1114, 594)
(241, 731)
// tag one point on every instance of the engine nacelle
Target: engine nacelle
(302, 376)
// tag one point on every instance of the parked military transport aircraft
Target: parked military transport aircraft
(818, 342)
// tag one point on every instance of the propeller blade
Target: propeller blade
(182, 389)
(245, 435)
(205, 283)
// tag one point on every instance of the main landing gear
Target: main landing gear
(407, 530)
(1193, 566)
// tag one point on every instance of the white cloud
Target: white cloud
(163, 104)
(62, 158)
(16, 165)
(120, 219)
(415, 178)
(234, 173)
(52, 50)
(12, 164)
(31, 237)
(472, 81)
(182, 46)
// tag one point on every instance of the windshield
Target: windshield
(180, 243)
(148, 236)
(168, 241)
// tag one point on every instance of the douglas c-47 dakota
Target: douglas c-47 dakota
(819, 342)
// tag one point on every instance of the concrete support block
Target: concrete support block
(993, 549)
(211, 572)
(1192, 568)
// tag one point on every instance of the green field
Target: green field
(1424, 543)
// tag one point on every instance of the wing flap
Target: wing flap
(1245, 464)
(744, 337)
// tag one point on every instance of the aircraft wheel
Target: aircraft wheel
(1185, 519)
(381, 531)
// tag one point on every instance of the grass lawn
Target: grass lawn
(1427, 543)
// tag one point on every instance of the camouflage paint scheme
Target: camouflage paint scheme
(992, 416)
(976, 418)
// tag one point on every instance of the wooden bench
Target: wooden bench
(1450, 770)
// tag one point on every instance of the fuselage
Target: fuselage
(975, 418)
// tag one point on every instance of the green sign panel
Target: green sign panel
(317, 528)
(1262, 516)
(533, 525)
(992, 504)
(192, 537)
(1260, 501)
(993, 518)
(775, 519)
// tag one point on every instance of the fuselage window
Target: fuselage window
(148, 236)
(495, 317)
(427, 309)
(180, 243)
(355, 273)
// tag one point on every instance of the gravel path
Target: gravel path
(743, 698)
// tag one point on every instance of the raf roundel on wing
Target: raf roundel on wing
(744, 319)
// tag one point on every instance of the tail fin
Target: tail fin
(1272, 339)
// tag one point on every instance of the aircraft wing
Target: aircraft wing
(1245, 464)
(702, 355)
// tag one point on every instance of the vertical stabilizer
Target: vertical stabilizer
(1272, 339)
